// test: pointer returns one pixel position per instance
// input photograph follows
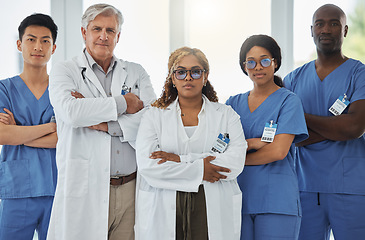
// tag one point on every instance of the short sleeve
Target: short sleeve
(291, 119)
(288, 81)
(359, 89)
(4, 98)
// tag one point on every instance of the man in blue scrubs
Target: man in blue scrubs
(331, 162)
(28, 172)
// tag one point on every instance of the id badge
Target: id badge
(125, 89)
(269, 132)
(339, 105)
(221, 143)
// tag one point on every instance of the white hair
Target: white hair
(103, 9)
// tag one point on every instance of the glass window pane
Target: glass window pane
(304, 48)
(219, 28)
(145, 36)
(216, 27)
(11, 60)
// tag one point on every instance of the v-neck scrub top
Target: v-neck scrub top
(26, 171)
(272, 187)
(330, 166)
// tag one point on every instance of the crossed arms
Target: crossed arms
(39, 136)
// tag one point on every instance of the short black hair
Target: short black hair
(38, 19)
(266, 42)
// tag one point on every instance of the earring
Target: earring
(173, 85)
(205, 84)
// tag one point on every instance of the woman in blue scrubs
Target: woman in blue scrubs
(273, 120)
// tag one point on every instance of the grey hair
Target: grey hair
(104, 9)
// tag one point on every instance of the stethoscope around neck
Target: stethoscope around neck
(83, 73)
(125, 88)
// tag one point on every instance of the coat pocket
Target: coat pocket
(77, 178)
(15, 179)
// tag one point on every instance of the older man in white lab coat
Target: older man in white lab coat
(98, 101)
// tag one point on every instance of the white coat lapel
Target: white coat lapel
(213, 123)
(170, 132)
(119, 78)
(90, 76)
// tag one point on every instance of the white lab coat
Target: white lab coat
(162, 129)
(81, 203)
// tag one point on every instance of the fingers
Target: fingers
(164, 157)
(8, 112)
(134, 104)
(157, 154)
(7, 118)
(209, 158)
(76, 94)
(162, 161)
(222, 169)
(6, 122)
(212, 172)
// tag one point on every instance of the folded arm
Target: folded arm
(78, 112)
(17, 135)
(274, 151)
(339, 128)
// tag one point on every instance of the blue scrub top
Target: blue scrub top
(330, 166)
(273, 187)
(26, 171)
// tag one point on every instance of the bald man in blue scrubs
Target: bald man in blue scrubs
(331, 162)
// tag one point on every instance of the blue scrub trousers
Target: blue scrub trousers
(343, 213)
(270, 227)
(20, 217)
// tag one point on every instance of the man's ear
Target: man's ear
(19, 45)
(346, 30)
(83, 32)
(54, 48)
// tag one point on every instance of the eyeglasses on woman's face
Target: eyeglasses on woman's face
(196, 73)
(251, 64)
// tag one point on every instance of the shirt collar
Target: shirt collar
(92, 64)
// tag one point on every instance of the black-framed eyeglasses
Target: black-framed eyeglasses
(251, 64)
(181, 74)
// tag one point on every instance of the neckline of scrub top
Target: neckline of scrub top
(339, 68)
(264, 102)
(21, 84)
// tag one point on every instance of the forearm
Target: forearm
(48, 141)
(17, 135)
(272, 152)
(336, 128)
(260, 158)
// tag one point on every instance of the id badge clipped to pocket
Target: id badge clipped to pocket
(269, 132)
(339, 105)
(221, 143)
(125, 89)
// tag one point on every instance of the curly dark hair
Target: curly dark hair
(169, 92)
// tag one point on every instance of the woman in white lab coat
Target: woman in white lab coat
(186, 185)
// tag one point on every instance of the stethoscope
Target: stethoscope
(125, 88)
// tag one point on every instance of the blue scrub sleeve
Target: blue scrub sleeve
(4, 98)
(291, 119)
(359, 91)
